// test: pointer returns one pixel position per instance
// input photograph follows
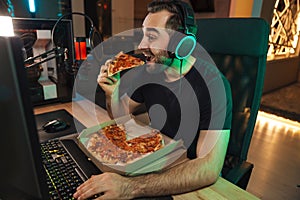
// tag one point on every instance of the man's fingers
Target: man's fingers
(103, 69)
(107, 80)
(86, 193)
(107, 62)
(91, 188)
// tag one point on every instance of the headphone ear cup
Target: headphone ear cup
(185, 47)
(181, 46)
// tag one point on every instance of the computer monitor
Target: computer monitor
(21, 172)
(63, 36)
(36, 35)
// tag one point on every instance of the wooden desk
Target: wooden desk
(90, 114)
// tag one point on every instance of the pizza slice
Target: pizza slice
(146, 143)
(109, 144)
(123, 61)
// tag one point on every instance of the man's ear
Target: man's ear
(180, 45)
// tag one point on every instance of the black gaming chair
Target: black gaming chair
(238, 46)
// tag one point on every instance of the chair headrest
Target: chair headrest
(235, 36)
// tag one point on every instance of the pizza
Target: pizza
(123, 61)
(110, 145)
(106, 152)
(146, 143)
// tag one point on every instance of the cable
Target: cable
(92, 32)
(92, 38)
(180, 77)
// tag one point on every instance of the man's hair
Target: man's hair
(176, 21)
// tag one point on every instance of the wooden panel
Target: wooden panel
(140, 8)
(122, 15)
(221, 190)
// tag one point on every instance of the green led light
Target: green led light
(185, 47)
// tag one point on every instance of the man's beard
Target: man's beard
(157, 63)
(155, 68)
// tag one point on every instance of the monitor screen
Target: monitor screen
(38, 38)
(27, 29)
(21, 168)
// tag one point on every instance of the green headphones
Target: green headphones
(186, 44)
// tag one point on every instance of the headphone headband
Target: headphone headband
(187, 44)
(187, 16)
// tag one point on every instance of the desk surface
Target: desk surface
(90, 114)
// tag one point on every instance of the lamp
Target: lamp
(7, 28)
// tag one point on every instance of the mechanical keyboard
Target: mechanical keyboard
(67, 167)
(63, 173)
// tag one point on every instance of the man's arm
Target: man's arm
(191, 175)
(110, 86)
(120, 106)
(116, 106)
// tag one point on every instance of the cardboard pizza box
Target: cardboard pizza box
(171, 154)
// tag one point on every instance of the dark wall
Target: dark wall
(100, 12)
(44, 9)
(21, 8)
(203, 5)
(221, 9)
(267, 10)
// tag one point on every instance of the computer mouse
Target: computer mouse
(55, 125)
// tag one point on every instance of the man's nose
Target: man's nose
(143, 44)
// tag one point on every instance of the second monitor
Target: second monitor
(48, 58)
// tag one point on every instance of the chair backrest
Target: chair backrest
(238, 47)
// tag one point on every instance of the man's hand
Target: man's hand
(110, 85)
(107, 83)
(105, 186)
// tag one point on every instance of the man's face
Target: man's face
(155, 40)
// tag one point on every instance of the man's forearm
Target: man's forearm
(189, 176)
(115, 106)
(108, 106)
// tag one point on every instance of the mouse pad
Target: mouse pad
(63, 115)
